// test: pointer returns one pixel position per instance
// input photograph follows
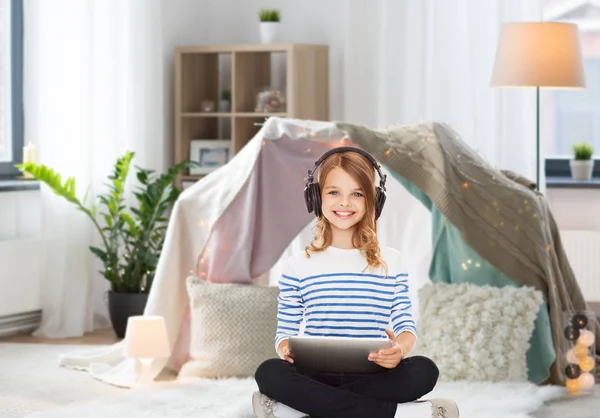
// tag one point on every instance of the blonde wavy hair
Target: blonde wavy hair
(365, 231)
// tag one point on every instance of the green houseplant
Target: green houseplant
(132, 237)
(225, 101)
(269, 23)
(582, 164)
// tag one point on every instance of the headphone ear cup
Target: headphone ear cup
(308, 198)
(379, 202)
(316, 199)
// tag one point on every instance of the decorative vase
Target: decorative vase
(581, 169)
(224, 106)
(123, 305)
(268, 32)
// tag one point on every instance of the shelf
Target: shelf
(254, 72)
(206, 114)
(232, 114)
(244, 130)
(248, 48)
(259, 114)
(204, 76)
(299, 71)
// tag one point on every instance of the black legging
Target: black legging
(345, 395)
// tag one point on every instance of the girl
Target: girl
(343, 284)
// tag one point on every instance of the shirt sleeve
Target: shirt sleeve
(402, 317)
(290, 309)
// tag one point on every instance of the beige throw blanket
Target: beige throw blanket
(507, 223)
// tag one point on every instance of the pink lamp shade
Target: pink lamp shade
(146, 337)
(538, 54)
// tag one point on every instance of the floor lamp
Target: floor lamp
(538, 54)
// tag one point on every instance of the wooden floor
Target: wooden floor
(97, 337)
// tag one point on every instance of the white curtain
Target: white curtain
(412, 60)
(93, 89)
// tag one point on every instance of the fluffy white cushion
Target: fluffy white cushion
(232, 328)
(475, 332)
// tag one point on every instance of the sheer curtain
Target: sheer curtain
(93, 89)
(433, 60)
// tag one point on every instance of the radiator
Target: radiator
(583, 252)
(25, 322)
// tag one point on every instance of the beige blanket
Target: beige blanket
(507, 223)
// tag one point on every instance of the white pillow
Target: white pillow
(477, 333)
(232, 328)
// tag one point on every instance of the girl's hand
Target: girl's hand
(389, 357)
(284, 351)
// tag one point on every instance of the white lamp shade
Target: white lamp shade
(538, 54)
(146, 337)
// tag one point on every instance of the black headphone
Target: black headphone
(312, 191)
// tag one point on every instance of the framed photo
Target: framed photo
(210, 154)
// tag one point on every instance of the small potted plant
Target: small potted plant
(582, 164)
(225, 102)
(269, 24)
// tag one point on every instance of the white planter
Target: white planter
(268, 32)
(224, 106)
(581, 169)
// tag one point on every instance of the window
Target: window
(11, 85)
(577, 113)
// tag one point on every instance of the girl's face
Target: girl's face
(343, 201)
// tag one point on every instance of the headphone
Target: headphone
(312, 191)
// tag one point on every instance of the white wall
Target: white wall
(193, 22)
(575, 209)
(21, 252)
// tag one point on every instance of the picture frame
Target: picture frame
(210, 154)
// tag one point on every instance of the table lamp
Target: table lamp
(538, 54)
(146, 339)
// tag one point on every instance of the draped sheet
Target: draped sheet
(238, 223)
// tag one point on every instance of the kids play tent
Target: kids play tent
(236, 224)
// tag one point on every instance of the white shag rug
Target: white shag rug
(230, 398)
(33, 385)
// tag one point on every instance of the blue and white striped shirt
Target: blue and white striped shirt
(333, 293)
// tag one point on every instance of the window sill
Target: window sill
(11, 184)
(568, 183)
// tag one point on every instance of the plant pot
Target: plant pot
(268, 32)
(581, 169)
(224, 106)
(123, 305)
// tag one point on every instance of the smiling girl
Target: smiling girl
(345, 285)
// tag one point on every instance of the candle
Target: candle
(29, 153)
(29, 156)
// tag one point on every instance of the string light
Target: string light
(586, 381)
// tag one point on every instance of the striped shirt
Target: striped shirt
(334, 295)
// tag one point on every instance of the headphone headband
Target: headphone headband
(382, 177)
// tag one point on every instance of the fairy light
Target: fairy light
(464, 161)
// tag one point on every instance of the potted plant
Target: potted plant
(132, 238)
(225, 102)
(269, 24)
(582, 164)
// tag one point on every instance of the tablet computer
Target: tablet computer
(337, 354)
